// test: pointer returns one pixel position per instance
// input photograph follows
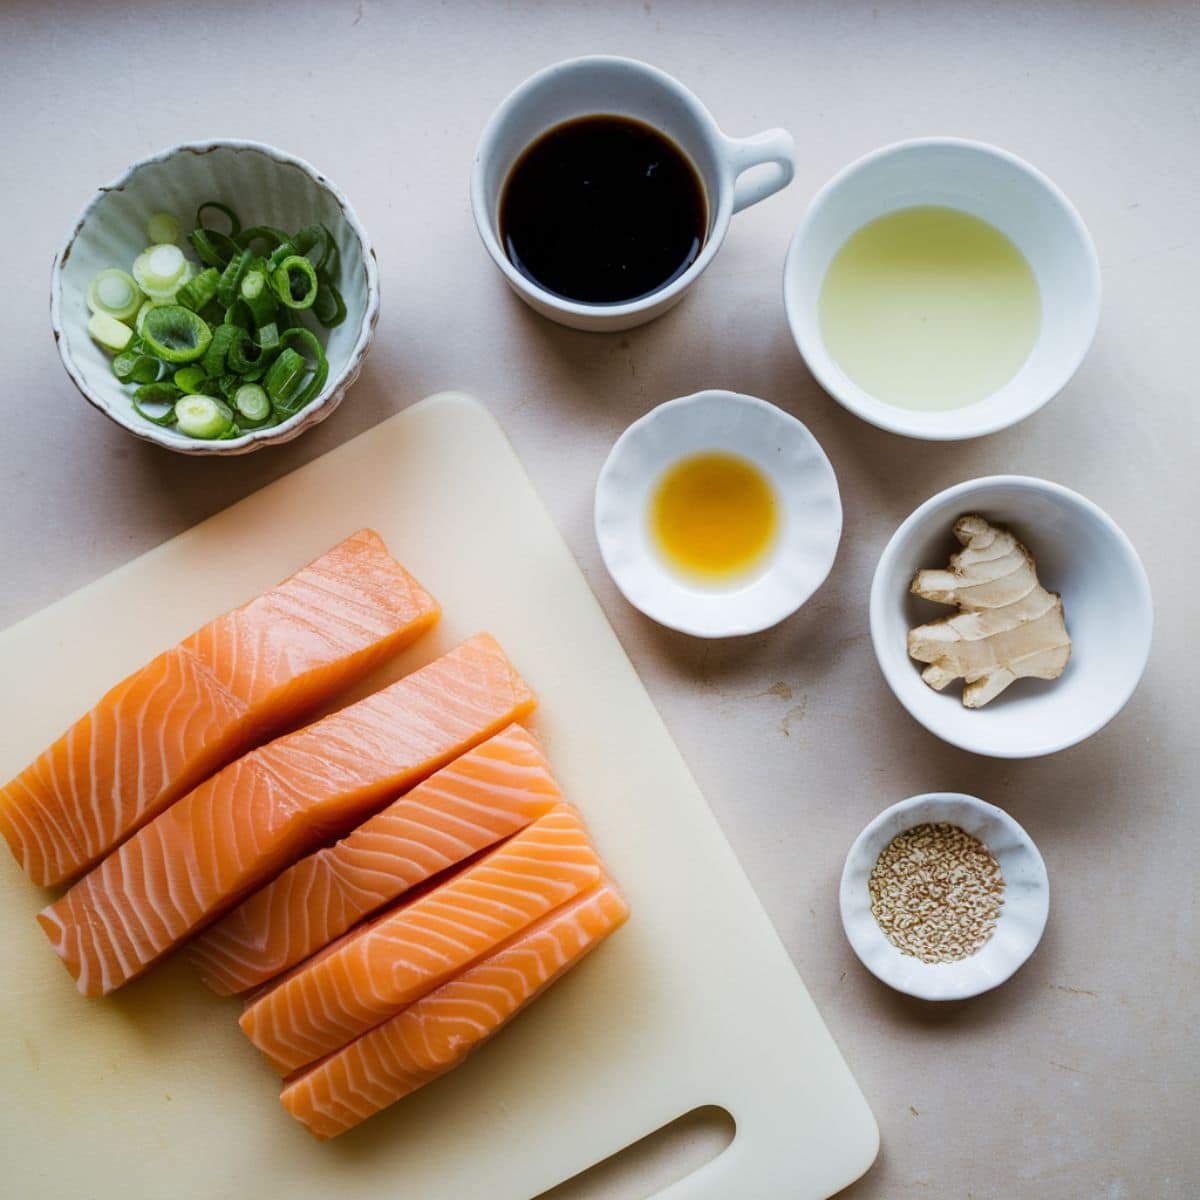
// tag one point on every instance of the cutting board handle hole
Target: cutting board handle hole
(657, 1161)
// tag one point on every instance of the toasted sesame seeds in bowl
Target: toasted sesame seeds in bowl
(944, 896)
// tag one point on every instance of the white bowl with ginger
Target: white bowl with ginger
(1077, 552)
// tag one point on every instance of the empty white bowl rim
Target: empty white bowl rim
(893, 419)
(205, 146)
(895, 669)
(855, 862)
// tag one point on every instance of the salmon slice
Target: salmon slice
(370, 974)
(245, 824)
(486, 795)
(235, 683)
(435, 1034)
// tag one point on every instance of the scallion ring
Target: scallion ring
(235, 225)
(295, 282)
(176, 334)
(199, 290)
(214, 249)
(203, 417)
(155, 394)
(115, 293)
(329, 308)
(252, 403)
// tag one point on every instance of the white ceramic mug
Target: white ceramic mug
(624, 87)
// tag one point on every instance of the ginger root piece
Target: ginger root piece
(1007, 626)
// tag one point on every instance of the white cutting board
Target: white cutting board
(155, 1093)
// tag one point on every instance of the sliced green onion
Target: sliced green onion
(317, 371)
(162, 228)
(132, 365)
(190, 379)
(295, 282)
(115, 293)
(218, 349)
(244, 354)
(160, 269)
(202, 416)
(284, 250)
(329, 308)
(261, 233)
(176, 334)
(235, 226)
(284, 380)
(239, 314)
(164, 416)
(109, 332)
(214, 249)
(257, 293)
(197, 292)
(252, 402)
(268, 337)
(232, 276)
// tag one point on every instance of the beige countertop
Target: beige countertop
(1078, 1078)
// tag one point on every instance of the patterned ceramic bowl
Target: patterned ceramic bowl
(267, 187)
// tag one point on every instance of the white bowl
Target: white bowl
(804, 484)
(1081, 554)
(266, 187)
(988, 183)
(1022, 915)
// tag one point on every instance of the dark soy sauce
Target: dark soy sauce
(603, 210)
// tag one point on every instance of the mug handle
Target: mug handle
(776, 147)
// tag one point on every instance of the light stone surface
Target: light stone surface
(1077, 1078)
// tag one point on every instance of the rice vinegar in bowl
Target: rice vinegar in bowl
(718, 514)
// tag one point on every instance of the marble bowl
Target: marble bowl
(267, 187)
(1022, 915)
(804, 484)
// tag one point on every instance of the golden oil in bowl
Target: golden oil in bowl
(714, 517)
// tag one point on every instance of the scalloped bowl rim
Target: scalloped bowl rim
(336, 387)
(740, 610)
(941, 981)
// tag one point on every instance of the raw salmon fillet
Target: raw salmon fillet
(374, 971)
(486, 795)
(240, 680)
(436, 1033)
(249, 821)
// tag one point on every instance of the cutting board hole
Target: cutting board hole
(656, 1162)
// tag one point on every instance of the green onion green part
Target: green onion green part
(231, 278)
(295, 282)
(329, 308)
(176, 334)
(199, 290)
(235, 226)
(190, 379)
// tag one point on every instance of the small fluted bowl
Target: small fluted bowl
(805, 487)
(266, 186)
(1022, 915)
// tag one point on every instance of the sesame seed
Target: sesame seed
(936, 892)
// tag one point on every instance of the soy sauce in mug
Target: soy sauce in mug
(603, 210)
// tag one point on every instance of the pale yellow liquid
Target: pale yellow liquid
(929, 308)
(714, 516)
